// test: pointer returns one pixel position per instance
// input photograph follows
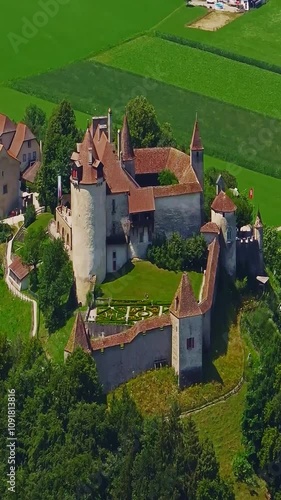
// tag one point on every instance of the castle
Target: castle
(112, 214)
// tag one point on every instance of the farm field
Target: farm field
(35, 38)
(256, 34)
(221, 124)
(143, 278)
(198, 71)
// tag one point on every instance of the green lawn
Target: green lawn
(145, 278)
(42, 221)
(198, 71)
(256, 34)
(55, 343)
(15, 314)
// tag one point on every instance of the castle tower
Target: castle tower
(88, 210)
(127, 151)
(258, 236)
(187, 334)
(223, 214)
(197, 161)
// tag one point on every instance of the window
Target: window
(34, 155)
(114, 255)
(229, 235)
(5, 189)
(29, 144)
(2, 173)
(141, 237)
(113, 228)
(160, 363)
(177, 303)
(24, 158)
(74, 174)
(190, 343)
(114, 265)
(113, 207)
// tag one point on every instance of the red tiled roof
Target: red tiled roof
(6, 125)
(126, 141)
(78, 337)
(184, 303)
(151, 160)
(196, 143)
(89, 167)
(30, 172)
(210, 276)
(222, 203)
(210, 227)
(126, 337)
(19, 269)
(176, 189)
(22, 134)
(141, 200)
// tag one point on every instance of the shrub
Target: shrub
(5, 232)
(30, 215)
(167, 178)
(242, 469)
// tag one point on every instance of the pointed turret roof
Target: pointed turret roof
(87, 159)
(258, 221)
(184, 303)
(126, 141)
(222, 203)
(78, 336)
(196, 143)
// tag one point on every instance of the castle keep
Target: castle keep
(114, 211)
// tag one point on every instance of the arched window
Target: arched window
(67, 239)
(62, 233)
(229, 234)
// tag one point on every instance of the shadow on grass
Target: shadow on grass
(126, 269)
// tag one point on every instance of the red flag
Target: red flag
(251, 194)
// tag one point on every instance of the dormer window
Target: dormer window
(177, 303)
(74, 174)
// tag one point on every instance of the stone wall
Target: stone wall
(116, 209)
(9, 177)
(121, 257)
(63, 226)
(139, 241)
(178, 214)
(116, 365)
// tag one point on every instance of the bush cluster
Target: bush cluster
(178, 254)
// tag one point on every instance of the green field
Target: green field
(256, 34)
(15, 314)
(144, 278)
(42, 221)
(198, 71)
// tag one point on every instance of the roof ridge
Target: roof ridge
(185, 303)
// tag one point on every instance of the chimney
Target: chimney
(90, 156)
(118, 143)
(109, 125)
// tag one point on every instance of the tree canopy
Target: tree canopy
(36, 120)
(61, 137)
(55, 281)
(167, 178)
(145, 128)
(70, 444)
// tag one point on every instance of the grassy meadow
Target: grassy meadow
(255, 34)
(142, 277)
(15, 314)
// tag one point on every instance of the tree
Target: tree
(167, 178)
(5, 232)
(31, 252)
(145, 128)
(212, 174)
(60, 140)
(55, 280)
(30, 215)
(242, 469)
(35, 119)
